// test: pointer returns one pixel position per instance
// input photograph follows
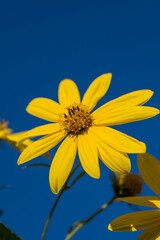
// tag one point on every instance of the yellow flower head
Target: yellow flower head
(86, 130)
(149, 168)
(4, 130)
(13, 138)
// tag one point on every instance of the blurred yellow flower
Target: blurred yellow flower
(4, 130)
(149, 168)
(87, 131)
(13, 138)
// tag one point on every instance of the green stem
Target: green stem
(57, 200)
(78, 225)
(37, 164)
(5, 186)
(76, 179)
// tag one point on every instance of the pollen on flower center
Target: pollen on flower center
(77, 119)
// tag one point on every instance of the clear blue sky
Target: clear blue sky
(43, 42)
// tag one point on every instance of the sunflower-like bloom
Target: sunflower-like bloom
(149, 168)
(86, 130)
(13, 138)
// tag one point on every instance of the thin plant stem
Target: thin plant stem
(57, 200)
(5, 186)
(37, 164)
(76, 179)
(78, 225)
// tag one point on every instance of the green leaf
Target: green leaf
(7, 234)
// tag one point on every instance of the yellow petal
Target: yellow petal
(62, 164)
(135, 98)
(14, 138)
(135, 221)
(39, 131)
(121, 115)
(68, 93)
(40, 147)
(149, 168)
(97, 90)
(88, 155)
(150, 234)
(45, 108)
(119, 141)
(142, 201)
(116, 161)
(4, 133)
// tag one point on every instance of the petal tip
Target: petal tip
(54, 190)
(143, 148)
(97, 176)
(157, 111)
(108, 75)
(19, 161)
(29, 104)
(151, 92)
(66, 80)
(27, 108)
(125, 170)
(110, 227)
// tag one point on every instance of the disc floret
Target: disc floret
(76, 119)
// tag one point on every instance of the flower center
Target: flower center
(77, 119)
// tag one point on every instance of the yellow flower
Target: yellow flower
(13, 138)
(4, 130)
(87, 131)
(149, 168)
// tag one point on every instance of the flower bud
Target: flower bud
(127, 185)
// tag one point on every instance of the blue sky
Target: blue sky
(43, 42)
